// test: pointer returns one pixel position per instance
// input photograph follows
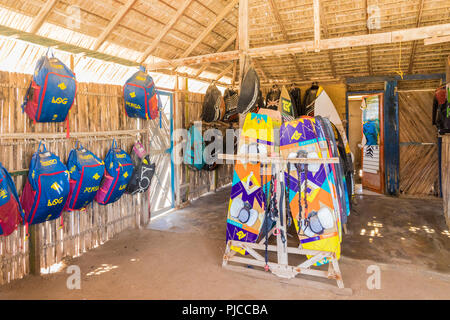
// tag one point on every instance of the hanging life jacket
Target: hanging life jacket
(11, 213)
(141, 178)
(119, 169)
(52, 91)
(193, 153)
(140, 98)
(47, 188)
(86, 173)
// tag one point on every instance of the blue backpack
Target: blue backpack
(86, 173)
(140, 98)
(47, 188)
(52, 91)
(119, 169)
(11, 212)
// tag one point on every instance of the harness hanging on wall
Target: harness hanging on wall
(119, 169)
(11, 212)
(86, 173)
(52, 90)
(143, 172)
(249, 94)
(47, 188)
(140, 98)
(213, 108)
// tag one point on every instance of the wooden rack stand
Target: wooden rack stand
(281, 268)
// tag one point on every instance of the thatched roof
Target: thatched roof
(130, 32)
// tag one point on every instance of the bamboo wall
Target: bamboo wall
(98, 111)
(193, 184)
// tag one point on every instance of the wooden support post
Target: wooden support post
(243, 37)
(391, 135)
(445, 160)
(35, 249)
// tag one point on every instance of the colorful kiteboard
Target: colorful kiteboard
(315, 213)
(246, 210)
(338, 171)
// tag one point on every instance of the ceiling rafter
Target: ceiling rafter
(369, 48)
(324, 26)
(211, 26)
(222, 48)
(113, 23)
(38, 21)
(414, 44)
(166, 29)
(224, 72)
(277, 16)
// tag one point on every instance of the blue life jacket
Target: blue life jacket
(11, 213)
(193, 153)
(119, 169)
(86, 173)
(52, 91)
(47, 188)
(140, 98)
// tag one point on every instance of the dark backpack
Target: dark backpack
(52, 91)
(141, 179)
(11, 213)
(441, 110)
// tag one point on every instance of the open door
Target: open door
(372, 145)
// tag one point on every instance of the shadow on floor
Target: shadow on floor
(381, 229)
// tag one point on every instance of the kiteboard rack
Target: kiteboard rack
(286, 273)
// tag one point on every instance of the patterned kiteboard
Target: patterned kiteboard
(299, 138)
(338, 172)
(247, 200)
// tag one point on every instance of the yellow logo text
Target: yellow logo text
(55, 202)
(59, 100)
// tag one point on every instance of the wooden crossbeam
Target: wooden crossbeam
(243, 42)
(404, 35)
(221, 49)
(414, 45)
(113, 23)
(38, 21)
(166, 29)
(211, 26)
(316, 6)
(224, 72)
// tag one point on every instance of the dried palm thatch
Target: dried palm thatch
(130, 32)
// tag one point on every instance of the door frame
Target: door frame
(366, 93)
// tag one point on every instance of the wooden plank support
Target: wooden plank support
(404, 35)
(221, 49)
(113, 23)
(243, 37)
(38, 21)
(35, 249)
(211, 26)
(391, 134)
(165, 30)
(316, 7)
(369, 79)
(414, 45)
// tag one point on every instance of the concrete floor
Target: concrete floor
(180, 256)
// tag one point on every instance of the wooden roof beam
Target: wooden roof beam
(221, 49)
(113, 23)
(369, 49)
(277, 16)
(414, 45)
(404, 35)
(165, 30)
(208, 30)
(224, 72)
(38, 21)
(325, 33)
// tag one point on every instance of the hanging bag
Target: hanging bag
(11, 213)
(119, 169)
(143, 170)
(47, 188)
(140, 98)
(86, 173)
(52, 91)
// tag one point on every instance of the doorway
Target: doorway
(366, 138)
